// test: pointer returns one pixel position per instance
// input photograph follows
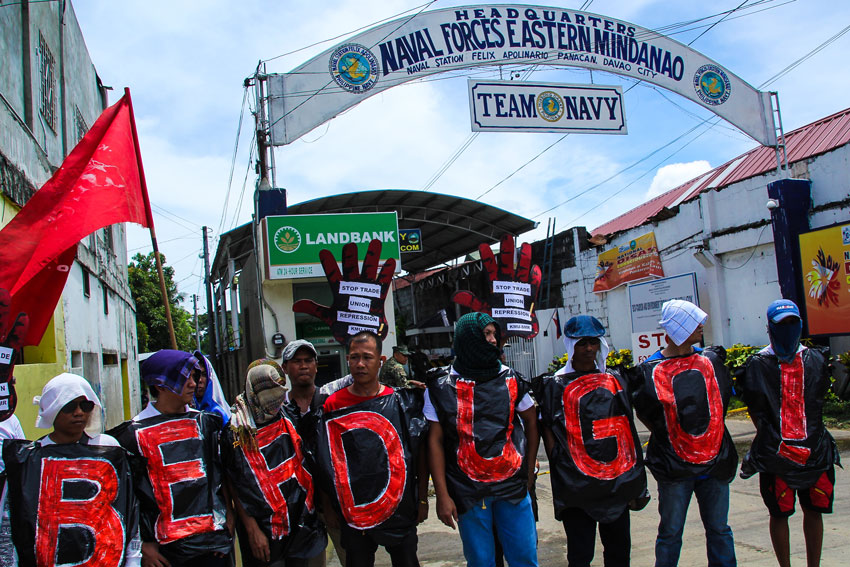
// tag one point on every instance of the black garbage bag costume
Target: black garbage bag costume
(367, 461)
(786, 400)
(484, 439)
(596, 462)
(178, 482)
(274, 483)
(70, 504)
(689, 436)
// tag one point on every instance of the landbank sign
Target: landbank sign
(460, 38)
(509, 106)
(293, 242)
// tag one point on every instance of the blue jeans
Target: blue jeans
(713, 499)
(514, 523)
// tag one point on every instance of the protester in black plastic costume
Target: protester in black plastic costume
(682, 395)
(363, 426)
(482, 447)
(182, 506)
(71, 491)
(784, 387)
(266, 464)
(595, 457)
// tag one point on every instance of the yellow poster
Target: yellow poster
(825, 261)
(637, 260)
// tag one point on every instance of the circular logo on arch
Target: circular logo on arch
(287, 239)
(354, 67)
(550, 106)
(712, 85)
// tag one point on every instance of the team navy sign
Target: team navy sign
(464, 37)
(507, 106)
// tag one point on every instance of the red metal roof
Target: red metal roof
(816, 138)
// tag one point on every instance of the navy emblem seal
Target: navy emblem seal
(712, 85)
(354, 67)
(550, 106)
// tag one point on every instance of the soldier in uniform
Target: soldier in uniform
(393, 373)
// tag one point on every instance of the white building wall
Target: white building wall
(733, 227)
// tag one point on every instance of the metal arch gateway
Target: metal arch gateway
(464, 37)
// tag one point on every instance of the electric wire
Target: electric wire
(233, 159)
(387, 19)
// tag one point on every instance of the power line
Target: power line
(233, 159)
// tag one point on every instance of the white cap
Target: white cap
(680, 319)
(58, 392)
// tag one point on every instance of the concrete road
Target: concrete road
(439, 546)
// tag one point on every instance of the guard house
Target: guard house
(253, 311)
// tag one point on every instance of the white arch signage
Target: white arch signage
(484, 35)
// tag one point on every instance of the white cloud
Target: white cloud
(675, 174)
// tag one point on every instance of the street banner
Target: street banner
(637, 260)
(645, 301)
(509, 106)
(293, 242)
(825, 261)
(461, 38)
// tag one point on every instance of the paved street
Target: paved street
(440, 547)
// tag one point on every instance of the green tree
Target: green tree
(150, 312)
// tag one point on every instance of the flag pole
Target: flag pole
(149, 214)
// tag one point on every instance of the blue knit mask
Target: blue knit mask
(785, 337)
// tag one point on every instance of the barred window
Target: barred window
(80, 123)
(47, 72)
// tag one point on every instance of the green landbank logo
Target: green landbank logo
(287, 239)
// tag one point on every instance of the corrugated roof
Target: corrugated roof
(816, 138)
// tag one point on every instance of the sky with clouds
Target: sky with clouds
(185, 63)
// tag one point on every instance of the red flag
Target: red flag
(100, 183)
(557, 319)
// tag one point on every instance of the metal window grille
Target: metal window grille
(520, 356)
(47, 71)
(80, 123)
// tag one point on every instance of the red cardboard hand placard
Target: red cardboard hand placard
(512, 293)
(358, 297)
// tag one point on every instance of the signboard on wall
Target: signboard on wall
(292, 242)
(410, 239)
(645, 301)
(636, 260)
(825, 261)
(509, 106)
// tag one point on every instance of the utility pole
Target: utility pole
(197, 329)
(213, 321)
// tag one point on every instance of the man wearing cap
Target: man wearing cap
(682, 396)
(393, 373)
(300, 360)
(784, 386)
(182, 505)
(593, 447)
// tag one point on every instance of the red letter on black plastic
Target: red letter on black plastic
(481, 469)
(271, 479)
(369, 514)
(696, 449)
(164, 476)
(617, 426)
(792, 414)
(95, 513)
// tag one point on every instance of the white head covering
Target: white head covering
(680, 318)
(601, 356)
(58, 392)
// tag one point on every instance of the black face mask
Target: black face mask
(785, 338)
